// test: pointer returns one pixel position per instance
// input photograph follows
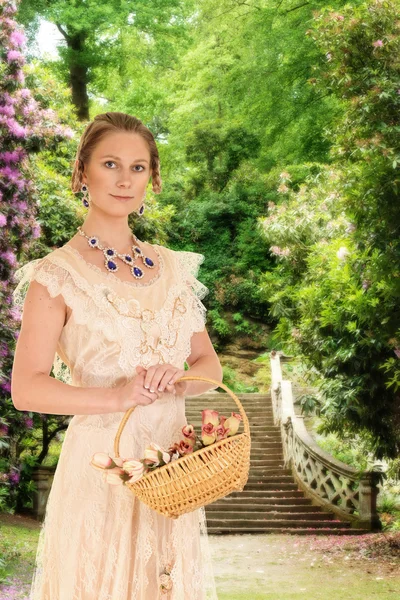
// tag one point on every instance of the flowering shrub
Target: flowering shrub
(26, 127)
(335, 236)
(215, 427)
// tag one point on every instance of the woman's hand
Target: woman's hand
(138, 390)
(160, 378)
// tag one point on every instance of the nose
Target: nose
(124, 179)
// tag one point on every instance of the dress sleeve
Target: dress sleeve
(188, 266)
(43, 271)
(53, 278)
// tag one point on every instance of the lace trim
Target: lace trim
(112, 276)
(188, 264)
(59, 277)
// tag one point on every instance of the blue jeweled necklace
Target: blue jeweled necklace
(110, 254)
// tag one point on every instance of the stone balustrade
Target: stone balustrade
(329, 482)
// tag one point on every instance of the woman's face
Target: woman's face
(118, 166)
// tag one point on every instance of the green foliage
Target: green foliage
(220, 325)
(231, 380)
(336, 286)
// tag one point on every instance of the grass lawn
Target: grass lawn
(252, 567)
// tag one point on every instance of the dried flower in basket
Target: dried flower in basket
(165, 581)
(215, 427)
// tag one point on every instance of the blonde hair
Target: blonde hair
(110, 122)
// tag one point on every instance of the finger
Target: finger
(148, 393)
(177, 375)
(149, 376)
(163, 384)
(162, 371)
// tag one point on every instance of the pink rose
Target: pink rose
(233, 423)
(210, 416)
(190, 434)
(221, 432)
(208, 434)
(182, 448)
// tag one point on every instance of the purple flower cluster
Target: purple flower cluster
(25, 127)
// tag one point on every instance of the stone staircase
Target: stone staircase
(271, 501)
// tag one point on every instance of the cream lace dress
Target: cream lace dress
(98, 541)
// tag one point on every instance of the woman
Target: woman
(117, 318)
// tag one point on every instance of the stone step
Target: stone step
(257, 440)
(261, 437)
(271, 449)
(261, 442)
(265, 424)
(276, 463)
(258, 475)
(269, 443)
(264, 448)
(264, 432)
(231, 523)
(268, 515)
(263, 460)
(266, 493)
(273, 442)
(253, 484)
(227, 403)
(228, 406)
(255, 424)
(270, 471)
(286, 530)
(227, 410)
(257, 415)
(257, 506)
(259, 409)
(261, 501)
(255, 475)
(250, 396)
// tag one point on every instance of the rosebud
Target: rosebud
(233, 423)
(134, 468)
(210, 416)
(151, 454)
(101, 460)
(113, 476)
(208, 434)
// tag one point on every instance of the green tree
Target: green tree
(336, 290)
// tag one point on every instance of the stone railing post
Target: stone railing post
(43, 477)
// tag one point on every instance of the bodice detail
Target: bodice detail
(113, 325)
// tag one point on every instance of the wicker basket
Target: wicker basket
(199, 478)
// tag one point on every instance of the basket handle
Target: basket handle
(183, 378)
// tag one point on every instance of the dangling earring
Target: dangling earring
(142, 206)
(85, 199)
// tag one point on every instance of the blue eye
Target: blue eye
(111, 161)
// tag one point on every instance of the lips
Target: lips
(121, 197)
